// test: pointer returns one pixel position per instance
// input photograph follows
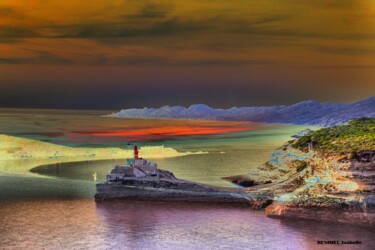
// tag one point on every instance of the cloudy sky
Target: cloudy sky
(130, 53)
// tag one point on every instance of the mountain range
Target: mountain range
(302, 113)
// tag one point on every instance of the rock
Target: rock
(365, 156)
(166, 187)
(370, 203)
(242, 180)
(260, 203)
(345, 213)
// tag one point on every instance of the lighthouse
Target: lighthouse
(136, 167)
(135, 152)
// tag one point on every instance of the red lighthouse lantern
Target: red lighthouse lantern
(135, 152)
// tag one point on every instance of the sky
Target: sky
(117, 54)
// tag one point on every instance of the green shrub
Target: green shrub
(301, 165)
(358, 135)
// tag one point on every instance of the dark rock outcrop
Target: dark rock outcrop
(354, 212)
(242, 180)
(166, 187)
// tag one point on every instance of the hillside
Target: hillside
(357, 136)
(302, 113)
(19, 155)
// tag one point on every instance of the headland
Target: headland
(325, 175)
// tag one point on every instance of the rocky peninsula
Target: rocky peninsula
(328, 175)
(166, 187)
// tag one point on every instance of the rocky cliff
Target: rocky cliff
(332, 187)
(331, 177)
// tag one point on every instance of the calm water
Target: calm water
(58, 212)
(83, 224)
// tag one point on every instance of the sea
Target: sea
(52, 206)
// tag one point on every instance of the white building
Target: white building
(134, 167)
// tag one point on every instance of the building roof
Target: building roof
(118, 170)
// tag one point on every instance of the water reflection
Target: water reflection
(190, 226)
(196, 226)
(83, 224)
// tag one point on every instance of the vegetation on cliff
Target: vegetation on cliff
(357, 136)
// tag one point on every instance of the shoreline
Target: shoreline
(166, 187)
(19, 155)
(268, 205)
(176, 190)
(290, 181)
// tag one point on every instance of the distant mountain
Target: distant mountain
(303, 113)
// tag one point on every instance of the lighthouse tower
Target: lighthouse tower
(136, 167)
(135, 152)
